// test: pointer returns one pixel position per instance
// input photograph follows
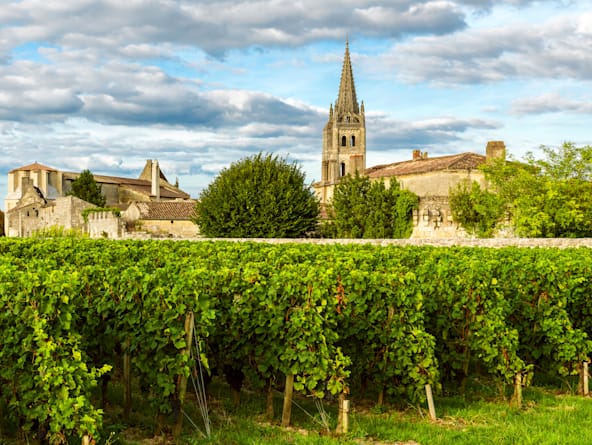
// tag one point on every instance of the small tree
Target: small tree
(476, 210)
(368, 209)
(258, 197)
(86, 188)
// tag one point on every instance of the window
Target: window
(343, 141)
(353, 141)
(342, 169)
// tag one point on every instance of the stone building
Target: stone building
(37, 198)
(151, 185)
(165, 218)
(344, 152)
(35, 213)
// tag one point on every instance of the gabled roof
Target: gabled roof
(177, 210)
(462, 161)
(33, 167)
(139, 185)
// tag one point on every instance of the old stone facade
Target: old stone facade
(34, 213)
(105, 225)
(344, 152)
(152, 185)
(37, 199)
(163, 219)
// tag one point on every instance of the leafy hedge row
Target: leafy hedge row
(332, 315)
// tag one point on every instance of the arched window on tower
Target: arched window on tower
(343, 141)
(353, 141)
(342, 170)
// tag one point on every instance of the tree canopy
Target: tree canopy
(261, 196)
(549, 197)
(361, 208)
(86, 188)
(477, 210)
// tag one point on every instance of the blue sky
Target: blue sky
(198, 84)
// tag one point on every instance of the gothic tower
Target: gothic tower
(344, 135)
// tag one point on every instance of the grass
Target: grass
(546, 417)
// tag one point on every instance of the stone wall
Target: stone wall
(105, 225)
(168, 228)
(560, 243)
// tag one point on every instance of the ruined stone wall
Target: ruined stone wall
(105, 225)
(176, 229)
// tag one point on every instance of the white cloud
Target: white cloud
(550, 103)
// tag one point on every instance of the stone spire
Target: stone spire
(347, 101)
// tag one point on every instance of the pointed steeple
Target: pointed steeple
(347, 101)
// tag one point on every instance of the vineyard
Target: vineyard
(338, 318)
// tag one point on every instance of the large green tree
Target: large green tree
(86, 188)
(549, 197)
(261, 196)
(361, 208)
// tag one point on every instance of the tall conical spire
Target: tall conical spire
(347, 101)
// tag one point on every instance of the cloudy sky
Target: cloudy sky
(198, 84)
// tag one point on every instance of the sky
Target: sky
(200, 84)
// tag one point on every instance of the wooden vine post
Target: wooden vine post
(288, 392)
(517, 397)
(583, 384)
(430, 397)
(182, 387)
(343, 415)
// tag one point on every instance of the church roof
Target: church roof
(139, 185)
(462, 161)
(177, 210)
(347, 100)
(33, 167)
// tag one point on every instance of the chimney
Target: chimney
(495, 150)
(416, 155)
(155, 180)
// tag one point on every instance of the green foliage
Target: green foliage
(395, 317)
(86, 188)
(551, 197)
(258, 197)
(58, 232)
(368, 209)
(478, 211)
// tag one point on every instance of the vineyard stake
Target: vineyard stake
(517, 397)
(287, 413)
(430, 397)
(345, 419)
(189, 323)
(585, 373)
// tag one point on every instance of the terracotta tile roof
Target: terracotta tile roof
(177, 210)
(33, 167)
(461, 161)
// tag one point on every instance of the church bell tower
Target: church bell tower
(344, 135)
